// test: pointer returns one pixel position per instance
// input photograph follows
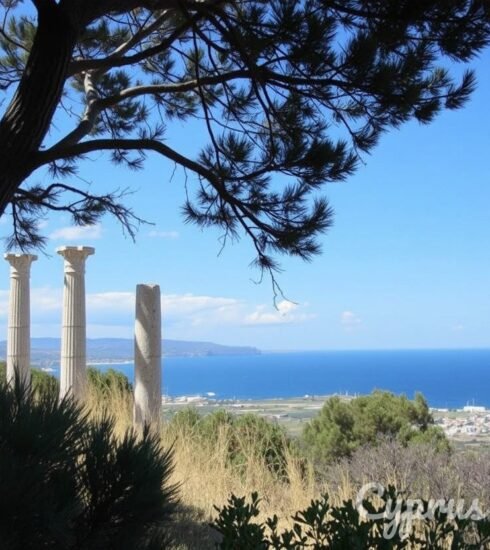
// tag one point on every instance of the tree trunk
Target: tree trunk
(28, 117)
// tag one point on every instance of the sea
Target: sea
(447, 378)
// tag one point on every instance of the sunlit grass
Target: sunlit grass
(207, 477)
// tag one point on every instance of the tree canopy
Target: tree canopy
(343, 426)
(298, 89)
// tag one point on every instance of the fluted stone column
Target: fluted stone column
(147, 356)
(73, 332)
(19, 322)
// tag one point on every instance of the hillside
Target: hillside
(46, 350)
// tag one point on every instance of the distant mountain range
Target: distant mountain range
(100, 350)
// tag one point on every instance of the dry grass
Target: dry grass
(203, 471)
(115, 402)
(207, 477)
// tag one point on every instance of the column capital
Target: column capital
(73, 336)
(75, 256)
(20, 263)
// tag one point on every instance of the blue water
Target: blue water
(451, 378)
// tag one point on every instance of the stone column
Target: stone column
(73, 332)
(19, 322)
(147, 356)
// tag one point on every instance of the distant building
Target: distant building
(474, 409)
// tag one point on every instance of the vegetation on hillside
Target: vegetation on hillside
(69, 483)
(41, 381)
(342, 425)
(345, 526)
(248, 437)
(102, 384)
(218, 455)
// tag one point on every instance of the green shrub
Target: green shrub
(342, 426)
(101, 383)
(185, 420)
(323, 526)
(68, 483)
(109, 382)
(41, 381)
(246, 436)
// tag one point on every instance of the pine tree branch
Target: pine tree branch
(117, 59)
(51, 155)
(88, 11)
(85, 209)
(177, 87)
(79, 149)
(140, 35)
(95, 106)
(90, 114)
(7, 37)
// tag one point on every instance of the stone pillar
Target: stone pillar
(19, 322)
(73, 332)
(147, 356)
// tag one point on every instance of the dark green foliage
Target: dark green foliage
(125, 499)
(68, 483)
(103, 384)
(39, 444)
(246, 436)
(235, 524)
(110, 381)
(41, 381)
(323, 526)
(283, 96)
(344, 425)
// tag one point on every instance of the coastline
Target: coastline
(463, 426)
(448, 380)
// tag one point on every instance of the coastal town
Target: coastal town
(469, 423)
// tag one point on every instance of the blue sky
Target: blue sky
(407, 264)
